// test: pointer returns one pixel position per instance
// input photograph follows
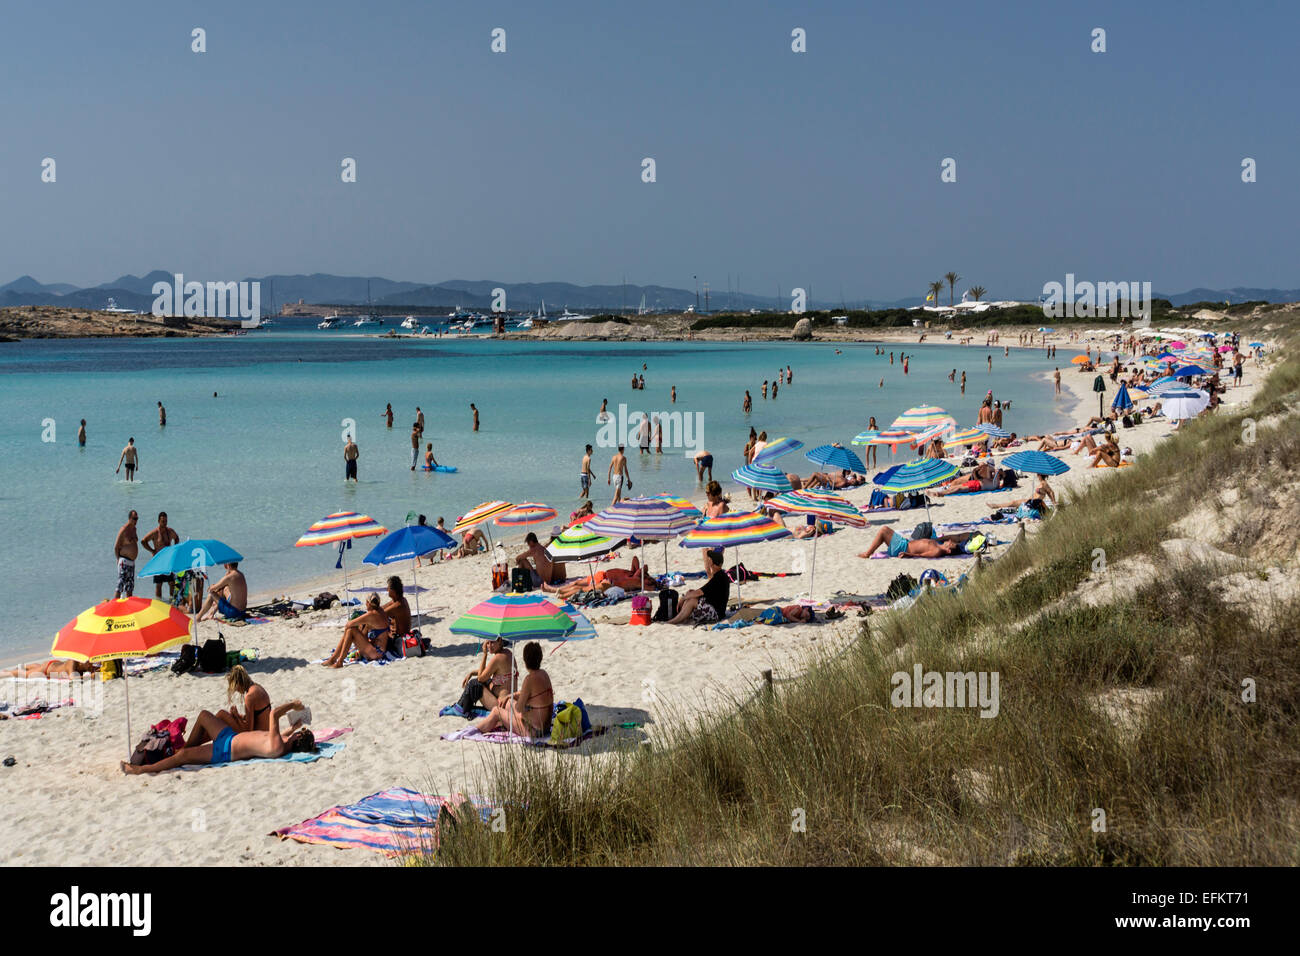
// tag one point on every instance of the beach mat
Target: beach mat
(391, 822)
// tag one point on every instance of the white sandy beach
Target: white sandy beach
(68, 802)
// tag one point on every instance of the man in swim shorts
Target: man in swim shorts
(157, 539)
(126, 549)
(228, 597)
(901, 547)
(703, 463)
(130, 458)
(584, 476)
(617, 474)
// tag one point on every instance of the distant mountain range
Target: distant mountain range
(136, 292)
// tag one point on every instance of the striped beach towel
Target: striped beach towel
(391, 822)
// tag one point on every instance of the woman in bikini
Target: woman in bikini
(368, 633)
(717, 504)
(59, 669)
(495, 671)
(256, 714)
(528, 711)
(228, 745)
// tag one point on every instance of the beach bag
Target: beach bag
(901, 586)
(323, 600)
(740, 573)
(878, 498)
(922, 531)
(567, 724)
(110, 669)
(521, 580)
(212, 656)
(667, 609)
(499, 577)
(187, 661)
(640, 610)
(153, 746)
(174, 729)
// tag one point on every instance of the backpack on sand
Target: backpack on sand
(212, 656)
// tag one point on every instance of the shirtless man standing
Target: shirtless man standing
(585, 475)
(618, 469)
(415, 444)
(125, 549)
(350, 455)
(131, 458)
(157, 539)
(228, 597)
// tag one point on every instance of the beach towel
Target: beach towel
(391, 822)
(472, 734)
(455, 710)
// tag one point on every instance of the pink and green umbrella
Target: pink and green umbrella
(920, 418)
(515, 617)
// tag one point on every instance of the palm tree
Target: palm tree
(952, 279)
(977, 292)
(935, 288)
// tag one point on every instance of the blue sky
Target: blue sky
(818, 169)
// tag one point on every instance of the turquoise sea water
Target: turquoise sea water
(258, 463)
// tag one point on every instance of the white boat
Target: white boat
(641, 310)
(112, 307)
(567, 316)
(329, 322)
(368, 320)
(409, 322)
(525, 324)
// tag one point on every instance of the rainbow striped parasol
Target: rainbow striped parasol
(682, 504)
(967, 436)
(893, 437)
(340, 526)
(522, 515)
(827, 507)
(919, 418)
(944, 427)
(121, 628)
(644, 518)
(489, 509)
(734, 529)
(764, 477)
(866, 437)
(515, 617)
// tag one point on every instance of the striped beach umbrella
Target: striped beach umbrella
(837, 456)
(647, 519)
(340, 528)
(122, 628)
(775, 449)
(919, 418)
(918, 475)
(945, 427)
(967, 436)
(515, 617)
(522, 515)
(578, 543)
(1035, 463)
(763, 477)
(993, 431)
(733, 530)
(866, 437)
(893, 437)
(1182, 403)
(826, 507)
(682, 504)
(479, 514)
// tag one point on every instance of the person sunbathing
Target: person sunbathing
(60, 669)
(980, 478)
(1108, 453)
(628, 579)
(527, 712)
(398, 610)
(585, 510)
(1042, 492)
(368, 633)
(495, 672)
(255, 716)
(806, 530)
(845, 479)
(228, 745)
(899, 546)
(228, 597)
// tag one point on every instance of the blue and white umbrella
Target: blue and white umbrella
(406, 544)
(918, 475)
(775, 449)
(1122, 402)
(836, 456)
(1187, 371)
(994, 431)
(1035, 463)
(1184, 403)
(763, 477)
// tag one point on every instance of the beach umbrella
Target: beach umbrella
(522, 515)
(1182, 403)
(406, 544)
(682, 504)
(515, 617)
(993, 431)
(920, 418)
(1080, 360)
(1255, 345)
(826, 507)
(1122, 402)
(578, 543)
(1035, 463)
(881, 477)
(763, 477)
(1187, 371)
(945, 427)
(478, 515)
(969, 436)
(644, 519)
(122, 628)
(1177, 346)
(775, 449)
(340, 528)
(918, 475)
(865, 438)
(583, 630)
(193, 554)
(837, 456)
(893, 437)
(733, 530)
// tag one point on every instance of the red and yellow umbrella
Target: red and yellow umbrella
(121, 628)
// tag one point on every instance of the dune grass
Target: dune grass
(1132, 708)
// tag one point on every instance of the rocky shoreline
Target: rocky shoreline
(54, 322)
